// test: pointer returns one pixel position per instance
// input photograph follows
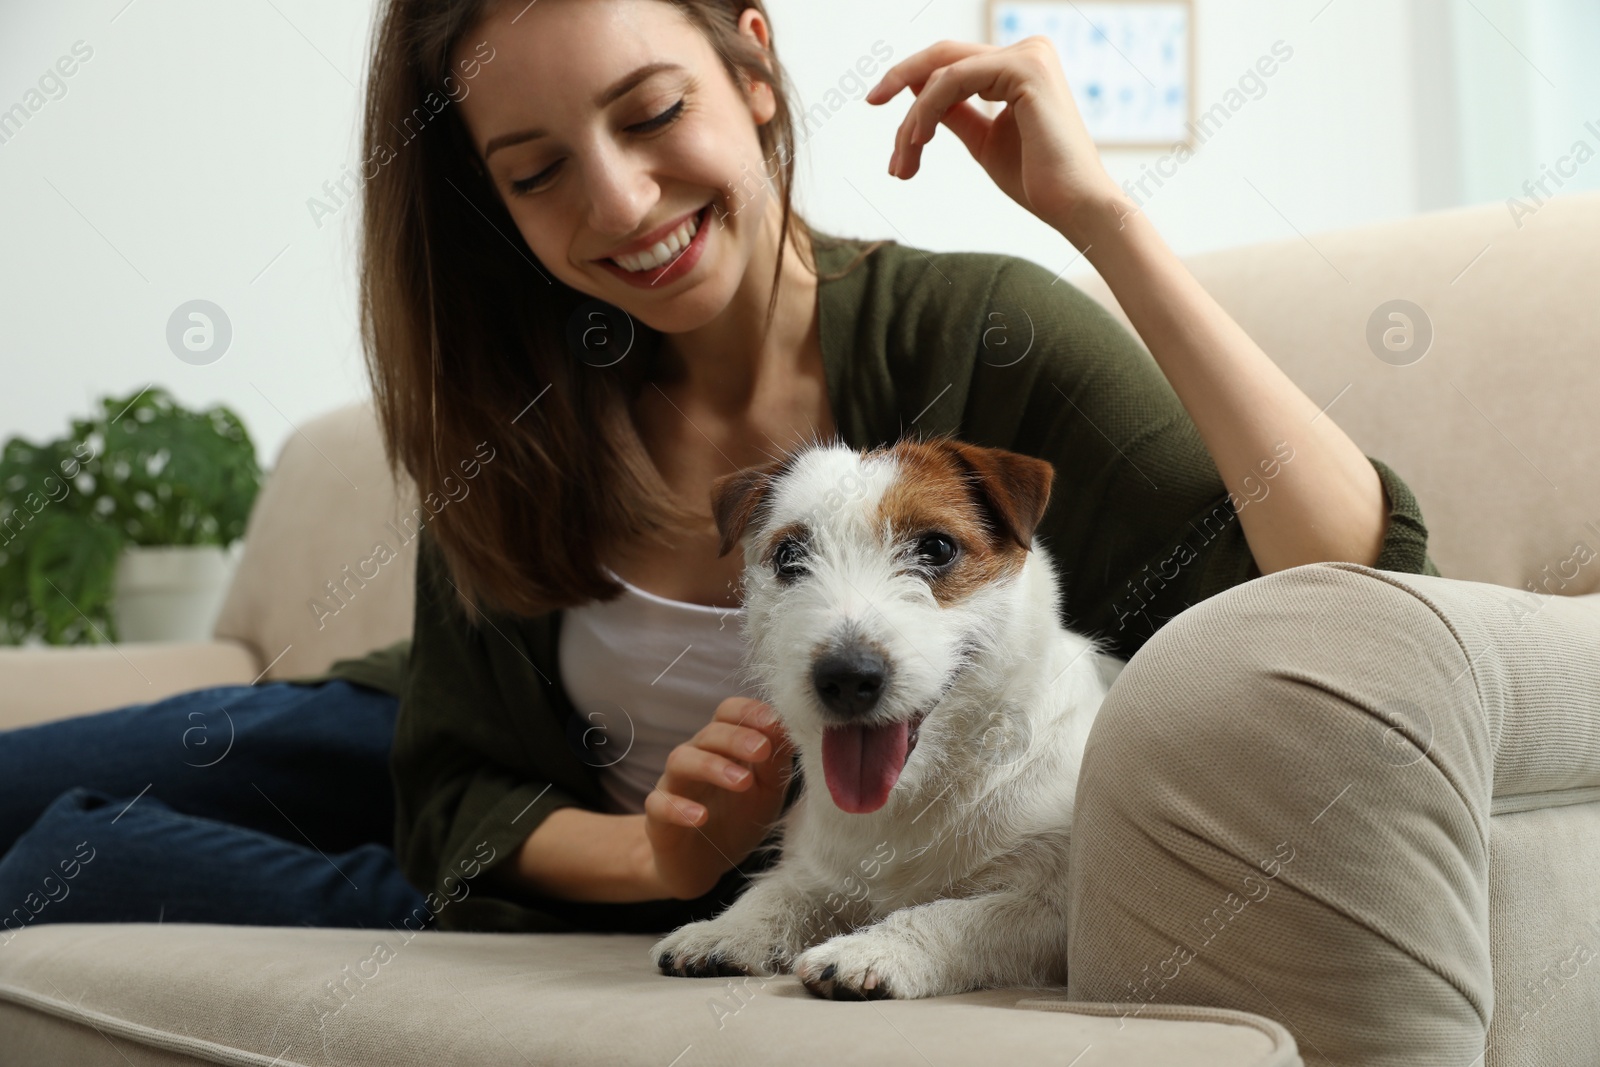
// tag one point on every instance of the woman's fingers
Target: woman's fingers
(914, 69)
(713, 755)
(995, 75)
(741, 730)
(1036, 148)
(673, 810)
(754, 715)
(744, 711)
(942, 76)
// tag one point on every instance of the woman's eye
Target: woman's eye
(663, 119)
(525, 185)
(936, 550)
(666, 118)
(786, 560)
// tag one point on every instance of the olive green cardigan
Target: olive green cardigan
(989, 347)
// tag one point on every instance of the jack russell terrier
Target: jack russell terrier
(904, 627)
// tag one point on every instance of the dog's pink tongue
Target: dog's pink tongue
(862, 763)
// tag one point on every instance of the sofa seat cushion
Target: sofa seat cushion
(1544, 933)
(187, 994)
(57, 682)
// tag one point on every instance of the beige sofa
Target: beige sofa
(1491, 429)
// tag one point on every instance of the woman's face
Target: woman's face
(589, 159)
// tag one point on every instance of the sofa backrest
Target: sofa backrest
(1494, 427)
(329, 554)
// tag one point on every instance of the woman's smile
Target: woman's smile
(665, 256)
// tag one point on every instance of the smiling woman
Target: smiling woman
(573, 174)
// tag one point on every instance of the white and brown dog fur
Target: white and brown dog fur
(902, 586)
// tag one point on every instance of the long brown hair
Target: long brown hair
(522, 449)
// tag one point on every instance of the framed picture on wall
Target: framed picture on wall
(1130, 63)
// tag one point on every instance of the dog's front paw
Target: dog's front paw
(873, 964)
(713, 947)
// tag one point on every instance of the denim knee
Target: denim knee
(91, 857)
(41, 868)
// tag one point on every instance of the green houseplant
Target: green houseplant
(74, 512)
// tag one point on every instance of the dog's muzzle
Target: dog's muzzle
(861, 760)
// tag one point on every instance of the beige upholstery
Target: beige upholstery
(1309, 814)
(328, 505)
(335, 997)
(53, 683)
(1489, 429)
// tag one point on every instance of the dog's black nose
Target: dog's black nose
(850, 681)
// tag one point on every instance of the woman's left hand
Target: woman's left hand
(1036, 149)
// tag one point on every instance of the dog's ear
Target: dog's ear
(1015, 487)
(735, 497)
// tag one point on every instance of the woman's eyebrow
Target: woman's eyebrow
(621, 87)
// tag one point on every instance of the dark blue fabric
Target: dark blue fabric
(266, 805)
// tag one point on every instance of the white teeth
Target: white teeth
(662, 251)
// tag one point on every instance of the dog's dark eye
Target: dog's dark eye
(936, 550)
(786, 559)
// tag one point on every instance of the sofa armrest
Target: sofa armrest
(1287, 801)
(41, 684)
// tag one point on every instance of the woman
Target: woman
(572, 385)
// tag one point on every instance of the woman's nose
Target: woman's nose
(621, 192)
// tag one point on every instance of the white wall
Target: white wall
(179, 161)
(175, 167)
(1529, 89)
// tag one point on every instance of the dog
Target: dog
(902, 624)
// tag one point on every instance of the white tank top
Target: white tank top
(648, 673)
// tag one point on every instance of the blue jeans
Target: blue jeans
(264, 805)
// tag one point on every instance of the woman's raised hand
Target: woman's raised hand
(1036, 149)
(699, 822)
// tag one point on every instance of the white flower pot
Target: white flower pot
(171, 592)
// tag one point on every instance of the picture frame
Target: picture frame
(1129, 63)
